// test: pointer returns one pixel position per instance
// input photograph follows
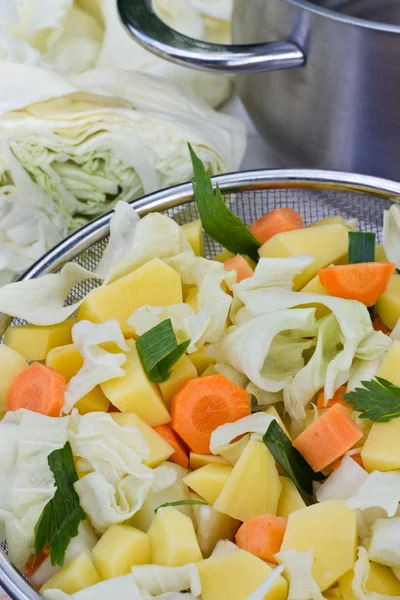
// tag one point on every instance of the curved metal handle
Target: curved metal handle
(153, 34)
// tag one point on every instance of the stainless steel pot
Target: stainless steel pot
(325, 90)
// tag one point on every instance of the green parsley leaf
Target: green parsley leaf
(217, 220)
(378, 400)
(291, 461)
(361, 250)
(159, 351)
(180, 503)
(60, 518)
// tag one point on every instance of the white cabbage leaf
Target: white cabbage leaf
(343, 483)
(379, 490)
(256, 424)
(361, 576)
(297, 569)
(118, 588)
(156, 579)
(373, 347)
(119, 483)
(391, 234)
(384, 547)
(41, 301)
(256, 350)
(224, 548)
(135, 242)
(362, 370)
(263, 589)
(352, 316)
(99, 365)
(26, 480)
(230, 373)
(264, 398)
(311, 378)
(208, 324)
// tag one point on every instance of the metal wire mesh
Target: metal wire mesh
(251, 204)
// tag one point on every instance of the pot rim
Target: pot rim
(337, 16)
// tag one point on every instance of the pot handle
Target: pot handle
(153, 34)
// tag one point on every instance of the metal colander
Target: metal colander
(314, 194)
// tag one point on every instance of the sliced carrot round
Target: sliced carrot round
(39, 389)
(276, 221)
(203, 404)
(180, 456)
(262, 536)
(364, 282)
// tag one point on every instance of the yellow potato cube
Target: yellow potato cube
(381, 450)
(182, 371)
(196, 461)
(254, 476)
(191, 298)
(335, 219)
(160, 450)
(235, 576)
(388, 305)
(315, 287)
(11, 364)
(201, 359)
(380, 255)
(173, 539)
(208, 481)
(330, 528)
(77, 575)
(155, 283)
(194, 235)
(173, 493)
(223, 256)
(67, 361)
(381, 580)
(134, 392)
(34, 342)
(290, 499)
(389, 367)
(94, 401)
(327, 243)
(119, 548)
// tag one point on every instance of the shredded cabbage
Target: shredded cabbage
(256, 424)
(156, 579)
(119, 483)
(379, 490)
(98, 364)
(26, 480)
(384, 546)
(361, 575)
(343, 483)
(297, 568)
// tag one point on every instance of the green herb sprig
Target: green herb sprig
(217, 220)
(378, 400)
(159, 350)
(60, 518)
(291, 461)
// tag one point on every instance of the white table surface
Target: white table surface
(258, 154)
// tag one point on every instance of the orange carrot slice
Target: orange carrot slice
(328, 437)
(39, 389)
(32, 565)
(240, 265)
(276, 221)
(203, 404)
(337, 397)
(180, 456)
(364, 282)
(262, 536)
(356, 457)
(379, 325)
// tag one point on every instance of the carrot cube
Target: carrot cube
(262, 536)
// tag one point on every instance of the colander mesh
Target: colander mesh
(249, 205)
